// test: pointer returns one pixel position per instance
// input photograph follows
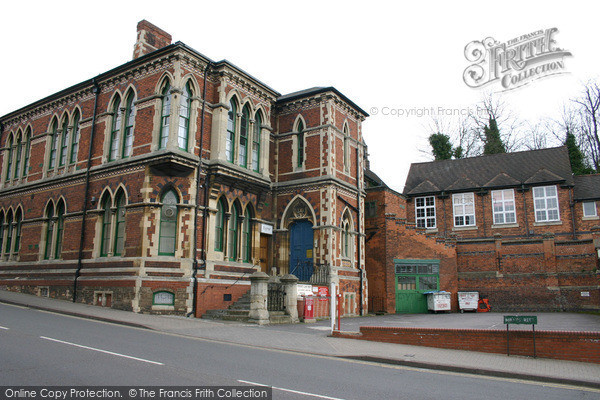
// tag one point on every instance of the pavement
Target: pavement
(314, 339)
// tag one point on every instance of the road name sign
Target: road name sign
(520, 319)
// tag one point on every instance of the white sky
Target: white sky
(378, 53)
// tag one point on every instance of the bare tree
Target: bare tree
(588, 120)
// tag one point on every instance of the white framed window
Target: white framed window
(425, 212)
(545, 202)
(464, 209)
(589, 209)
(503, 206)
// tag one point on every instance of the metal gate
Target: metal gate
(275, 297)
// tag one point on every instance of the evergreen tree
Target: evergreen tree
(493, 142)
(441, 146)
(578, 165)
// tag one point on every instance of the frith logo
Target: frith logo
(516, 62)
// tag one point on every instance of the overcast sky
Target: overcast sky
(383, 55)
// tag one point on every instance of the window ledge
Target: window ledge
(464, 228)
(547, 223)
(156, 307)
(595, 218)
(505, 226)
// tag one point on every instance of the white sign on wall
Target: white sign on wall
(266, 229)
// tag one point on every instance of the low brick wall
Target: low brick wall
(573, 346)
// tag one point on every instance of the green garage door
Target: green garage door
(413, 278)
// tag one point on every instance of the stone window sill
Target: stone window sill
(464, 228)
(547, 223)
(505, 226)
(592, 218)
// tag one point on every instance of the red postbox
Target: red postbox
(309, 308)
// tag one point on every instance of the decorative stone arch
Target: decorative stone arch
(297, 209)
(194, 85)
(111, 103)
(299, 118)
(166, 77)
(234, 94)
(121, 188)
(106, 192)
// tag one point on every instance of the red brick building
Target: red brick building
(518, 228)
(162, 184)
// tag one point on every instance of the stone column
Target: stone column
(290, 286)
(258, 298)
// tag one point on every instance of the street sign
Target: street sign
(520, 319)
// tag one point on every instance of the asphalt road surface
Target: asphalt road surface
(42, 349)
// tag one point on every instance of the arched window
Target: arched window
(19, 221)
(60, 227)
(49, 231)
(1, 230)
(19, 150)
(219, 224)
(106, 226)
(120, 224)
(256, 143)
(300, 145)
(64, 142)
(244, 130)
(129, 120)
(10, 156)
(115, 129)
(168, 224)
(247, 235)
(165, 116)
(346, 240)
(346, 149)
(9, 235)
(231, 123)
(233, 232)
(185, 107)
(27, 152)
(53, 144)
(76, 137)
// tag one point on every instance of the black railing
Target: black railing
(276, 297)
(307, 272)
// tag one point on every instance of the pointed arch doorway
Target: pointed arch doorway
(301, 249)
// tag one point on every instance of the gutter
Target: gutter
(198, 171)
(96, 90)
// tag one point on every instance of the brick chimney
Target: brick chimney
(149, 39)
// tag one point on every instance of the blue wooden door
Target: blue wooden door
(301, 248)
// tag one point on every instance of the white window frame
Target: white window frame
(425, 207)
(460, 204)
(546, 208)
(595, 210)
(502, 204)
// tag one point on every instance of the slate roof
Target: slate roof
(587, 187)
(373, 180)
(535, 167)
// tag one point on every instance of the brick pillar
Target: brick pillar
(549, 252)
(258, 298)
(498, 248)
(290, 286)
(149, 38)
(596, 237)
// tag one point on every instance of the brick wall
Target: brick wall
(573, 346)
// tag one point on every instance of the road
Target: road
(41, 348)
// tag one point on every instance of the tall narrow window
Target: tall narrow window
(300, 145)
(165, 118)
(19, 150)
(425, 212)
(64, 142)
(247, 235)
(129, 120)
(233, 233)
(503, 206)
(256, 143)
(346, 149)
(1, 230)
(244, 130)
(115, 129)
(168, 224)
(120, 225)
(230, 139)
(10, 157)
(49, 231)
(185, 107)
(60, 227)
(75, 139)
(53, 144)
(545, 202)
(9, 235)
(219, 224)
(27, 152)
(106, 227)
(19, 221)
(464, 209)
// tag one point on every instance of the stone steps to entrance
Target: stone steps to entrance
(240, 311)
